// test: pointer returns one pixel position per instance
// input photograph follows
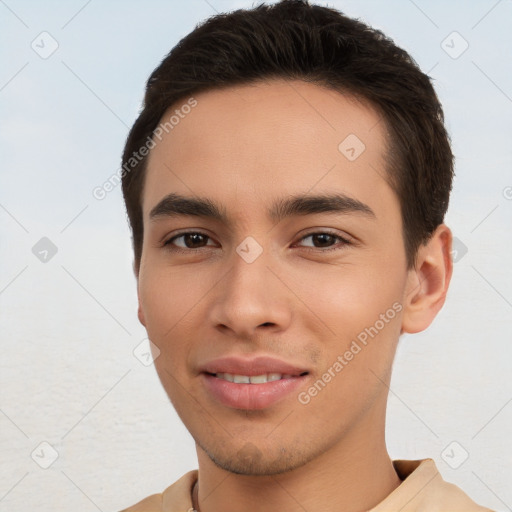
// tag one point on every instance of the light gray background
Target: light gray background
(69, 328)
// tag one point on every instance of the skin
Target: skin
(244, 147)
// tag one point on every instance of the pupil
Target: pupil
(324, 238)
(196, 238)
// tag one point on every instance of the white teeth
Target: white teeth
(258, 379)
(253, 379)
(241, 379)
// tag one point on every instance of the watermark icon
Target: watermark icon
(351, 147)
(454, 45)
(45, 45)
(249, 249)
(459, 249)
(455, 455)
(146, 352)
(507, 193)
(44, 250)
(44, 455)
(304, 397)
(249, 453)
(100, 192)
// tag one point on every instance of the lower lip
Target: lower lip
(250, 396)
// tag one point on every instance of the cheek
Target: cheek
(345, 299)
(357, 358)
(171, 299)
(166, 297)
(360, 309)
(162, 313)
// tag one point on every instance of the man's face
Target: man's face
(304, 289)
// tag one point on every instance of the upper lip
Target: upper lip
(251, 366)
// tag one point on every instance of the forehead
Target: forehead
(246, 144)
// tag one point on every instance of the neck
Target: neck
(355, 475)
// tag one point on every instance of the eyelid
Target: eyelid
(327, 231)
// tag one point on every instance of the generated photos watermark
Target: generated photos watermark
(100, 192)
(357, 345)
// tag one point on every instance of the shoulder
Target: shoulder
(176, 497)
(152, 503)
(423, 489)
(454, 498)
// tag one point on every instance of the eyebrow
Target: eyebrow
(174, 205)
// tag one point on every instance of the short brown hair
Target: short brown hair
(295, 40)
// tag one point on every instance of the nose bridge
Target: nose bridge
(250, 294)
(250, 268)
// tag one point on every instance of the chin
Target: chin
(251, 461)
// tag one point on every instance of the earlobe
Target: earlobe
(428, 282)
(140, 311)
(140, 314)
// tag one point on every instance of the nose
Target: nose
(251, 297)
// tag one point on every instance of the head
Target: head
(303, 159)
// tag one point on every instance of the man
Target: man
(286, 185)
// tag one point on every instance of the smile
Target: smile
(252, 392)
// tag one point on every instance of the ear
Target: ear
(428, 281)
(140, 312)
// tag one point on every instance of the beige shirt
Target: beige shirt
(422, 490)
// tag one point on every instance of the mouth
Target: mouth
(252, 388)
(251, 384)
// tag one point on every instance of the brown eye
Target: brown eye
(324, 239)
(190, 240)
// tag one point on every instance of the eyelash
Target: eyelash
(344, 242)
